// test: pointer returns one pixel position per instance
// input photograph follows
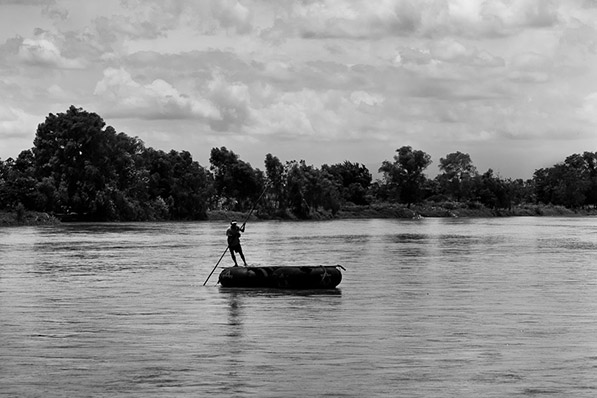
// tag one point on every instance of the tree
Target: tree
(236, 182)
(310, 190)
(276, 176)
(404, 178)
(543, 186)
(176, 186)
(570, 184)
(74, 152)
(190, 189)
(354, 180)
(84, 168)
(17, 182)
(492, 191)
(457, 175)
(521, 191)
(590, 159)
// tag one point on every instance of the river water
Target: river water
(427, 308)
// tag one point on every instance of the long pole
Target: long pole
(244, 222)
(216, 266)
(255, 204)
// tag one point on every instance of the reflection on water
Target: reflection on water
(426, 308)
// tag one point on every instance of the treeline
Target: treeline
(79, 167)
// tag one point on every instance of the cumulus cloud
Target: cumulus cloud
(298, 114)
(530, 67)
(318, 71)
(321, 116)
(232, 100)
(588, 108)
(57, 92)
(447, 50)
(360, 19)
(43, 52)
(125, 97)
(490, 18)
(231, 14)
(149, 19)
(521, 13)
(364, 19)
(16, 123)
(363, 97)
(454, 51)
(356, 19)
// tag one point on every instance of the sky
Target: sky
(513, 83)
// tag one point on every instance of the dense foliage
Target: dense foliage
(81, 168)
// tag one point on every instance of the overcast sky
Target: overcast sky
(513, 83)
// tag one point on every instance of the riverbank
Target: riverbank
(382, 210)
(15, 218)
(456, 209)
(446, 209)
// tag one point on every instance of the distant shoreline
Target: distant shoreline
(14, 218)
(384, 211)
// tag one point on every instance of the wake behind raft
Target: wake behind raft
(293, 277)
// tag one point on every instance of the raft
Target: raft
(293, 277)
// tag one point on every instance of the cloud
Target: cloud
(147, 19)
(41, 51)
(296, 114)
(496, 18)
(363, 97)
(16, 123)
(363, 19)
(468, 72)
(445, 63)
(151, 19)
(588, 108)
(521, 13)
(319, 116)
(530, 67)
(54, 11)
(58, 93)
(232, 101)
(231, 14)
(125, 97)
(25, 2)
(357, 19)
(360, 19)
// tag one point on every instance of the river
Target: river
(494, 307)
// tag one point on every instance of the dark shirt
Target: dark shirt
(233, 234)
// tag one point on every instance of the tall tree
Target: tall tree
(276, 176)
(18, 186)
(457, 175)
(591, 170)
(404, 178)
(76, 153)
(311, 190)
(191, 188)
(236, 182)
(492, 191)
(354, 180)
(568, 184)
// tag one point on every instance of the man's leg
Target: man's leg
(233, 257)
(240, 251)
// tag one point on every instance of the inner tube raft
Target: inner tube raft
(293, 277)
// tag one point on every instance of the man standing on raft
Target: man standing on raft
(233, 234)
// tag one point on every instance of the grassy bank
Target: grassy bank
(381, 210)
(445, 209)
(456, 209)
(20, 217)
